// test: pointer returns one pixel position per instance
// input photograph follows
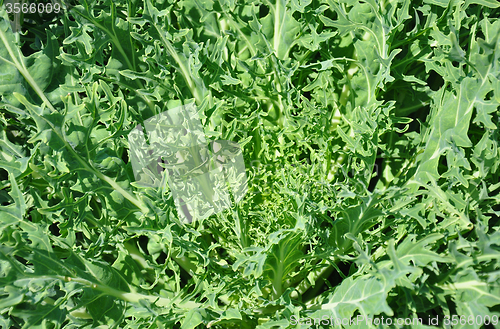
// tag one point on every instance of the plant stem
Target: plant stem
(19, 64)
(315, 276)
(130, 297)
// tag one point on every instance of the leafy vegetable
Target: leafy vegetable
(369, 132)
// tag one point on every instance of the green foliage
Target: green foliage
(370, 135)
